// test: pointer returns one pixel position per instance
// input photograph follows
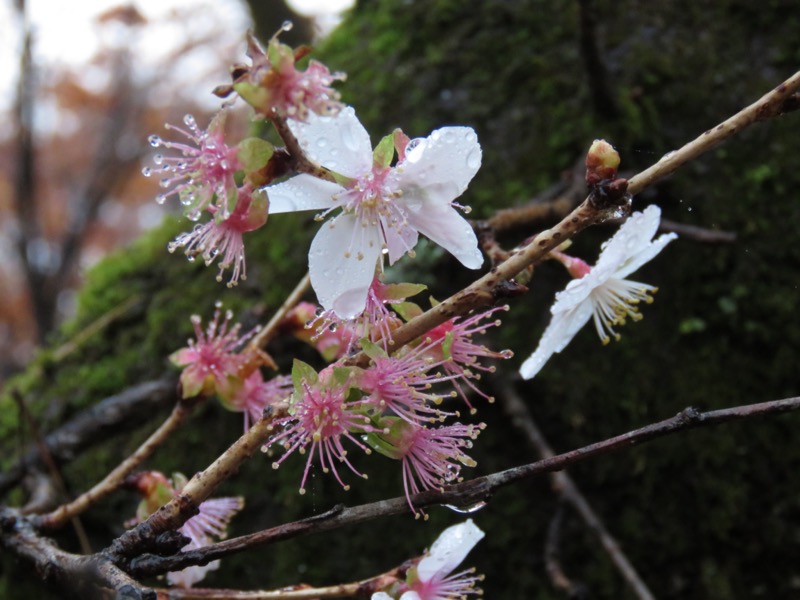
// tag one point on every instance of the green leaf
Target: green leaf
(371, 349)
(303, 373)
(407, 310)
(254, 153)
(401, 291)
(384, 152)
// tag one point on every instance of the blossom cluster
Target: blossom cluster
(373, 397)
(393, 405)
(217, 362)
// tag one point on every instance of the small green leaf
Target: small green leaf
(407, 310)
(303, 373)
(401, 291)
(254, 153)
(384, 152)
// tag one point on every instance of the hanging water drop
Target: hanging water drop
(189, 121)
(154, 141)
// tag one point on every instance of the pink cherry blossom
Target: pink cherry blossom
(382, 207)
(204, 171)
(212, 357)
(224, 239)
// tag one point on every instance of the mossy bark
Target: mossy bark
(707, 514)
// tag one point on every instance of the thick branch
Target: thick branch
(75, 576)
(465, 494)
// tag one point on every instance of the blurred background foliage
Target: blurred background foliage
(711, 514)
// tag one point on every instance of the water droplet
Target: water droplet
(161, 198)
(154, 141)
(466, 510)
(189, 121)
(322, 142)
(287, 25)
(474, 158)
(147, 171)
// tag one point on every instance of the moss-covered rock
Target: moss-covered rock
(708, 514)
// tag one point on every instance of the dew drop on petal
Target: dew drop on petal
(474, 159)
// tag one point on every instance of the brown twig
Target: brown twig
(484, 291)
(563, 484)
(357, 589)
(552, 564)
(466, 494)
(112, 481)
(768, 106)
(185, 505)
(263, 337)
(698, 234)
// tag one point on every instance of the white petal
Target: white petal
(381, 596)
(339, 143)
(410, 595)
(448, 155)
(630, 239)
(399, 242)
(444, 225)
(302, 192)
(449, 550)
(340, 282)
(562, 328)
(645, 255)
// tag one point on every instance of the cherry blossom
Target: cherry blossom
(431, 579)
(383, 207)
(601, 292)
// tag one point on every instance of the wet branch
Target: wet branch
(566, 488)
(466, 494)
(183, 409)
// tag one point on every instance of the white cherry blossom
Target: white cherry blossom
(383, 207)
(603, 294)
(433, 580)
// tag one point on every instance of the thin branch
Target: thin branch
(563, 484)
(127, 410)
(770, 105)
(552, 564)
(116, 477)
(698, 234)
(265, 335)
(466, 494)
(357, 589)
(184, 506)
(52, 467)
